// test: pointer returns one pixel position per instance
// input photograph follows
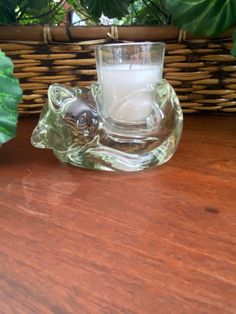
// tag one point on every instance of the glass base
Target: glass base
(97, 156)
(78, 134)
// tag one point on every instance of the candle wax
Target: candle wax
(127, 91)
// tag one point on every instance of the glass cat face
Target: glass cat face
(69, 114)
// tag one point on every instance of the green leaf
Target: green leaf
(203, 17)
(38, 5)
(7, 11)
(110, 8)
(10, 96)
(234, 44)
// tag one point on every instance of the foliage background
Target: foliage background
(150, 12)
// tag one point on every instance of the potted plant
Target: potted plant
(10, 96)
(204, 18)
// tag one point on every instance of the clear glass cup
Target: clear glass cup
(127, 74)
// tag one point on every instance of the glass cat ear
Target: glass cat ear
(59, 96)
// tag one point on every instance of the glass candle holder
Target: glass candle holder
(126, 75)
(129, 120)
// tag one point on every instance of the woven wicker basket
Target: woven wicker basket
(202, 71)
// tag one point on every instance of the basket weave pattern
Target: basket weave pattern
(202, 71)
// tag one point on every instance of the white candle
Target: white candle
(127, 93)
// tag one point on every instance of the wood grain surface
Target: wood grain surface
(75, 241)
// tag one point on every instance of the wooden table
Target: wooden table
(159, 241)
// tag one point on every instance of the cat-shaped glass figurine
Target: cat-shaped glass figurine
(74, 125)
